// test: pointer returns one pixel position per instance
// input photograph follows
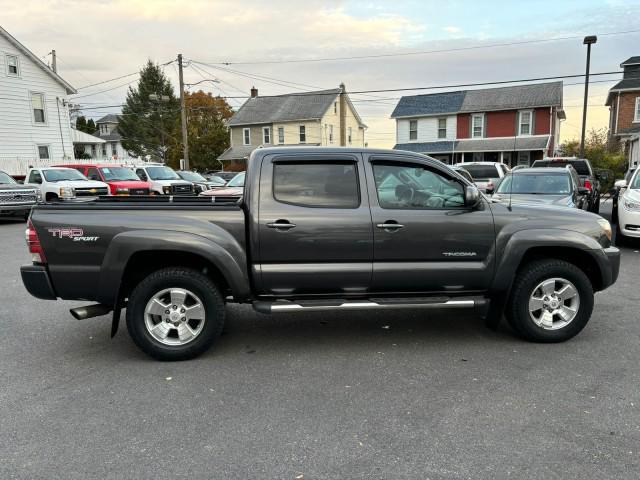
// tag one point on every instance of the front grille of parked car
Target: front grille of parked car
(91, 192)
(18, 197)
(138, 191)
(179, 189)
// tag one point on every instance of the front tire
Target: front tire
(175, 314)
(551, 301)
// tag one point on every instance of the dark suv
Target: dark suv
(588, 178)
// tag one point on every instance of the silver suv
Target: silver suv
(16, 200)
(486, 175)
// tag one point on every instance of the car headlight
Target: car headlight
(166, 189)
(122, 190)
(606, 226)
(67, 192)
(630, 205)
(38, 196)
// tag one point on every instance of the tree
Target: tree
(81, 123)
(91, 127)
(149, 115)
(206, 130)
(599, 151)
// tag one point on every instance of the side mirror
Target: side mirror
(471, 196)
(620, 184)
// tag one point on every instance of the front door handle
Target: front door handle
(390, 225)
(281, 225)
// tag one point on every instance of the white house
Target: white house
(108, 131)
(34, 114)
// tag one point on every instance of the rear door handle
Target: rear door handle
(281, 225)
(390, 226)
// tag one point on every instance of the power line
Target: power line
(120, 77)
(423, 52)
(103, 91)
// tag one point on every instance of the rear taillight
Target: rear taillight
(33, 242)
(587, 184)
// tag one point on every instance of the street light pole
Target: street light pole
(588, 41)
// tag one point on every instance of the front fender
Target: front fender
(226, 254)
(513, 247)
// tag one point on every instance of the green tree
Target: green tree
(81, 124)
(149, 115)
(600, 152)
(206, 131)
(91, 127)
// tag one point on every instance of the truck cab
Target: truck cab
(164, 180)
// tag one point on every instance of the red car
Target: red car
(121, 180)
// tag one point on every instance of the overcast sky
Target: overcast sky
(97, 41)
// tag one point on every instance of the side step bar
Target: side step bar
(372, 304)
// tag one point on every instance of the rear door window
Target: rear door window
(581, 166)
(317, 184)
(482, 171)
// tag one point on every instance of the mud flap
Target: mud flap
(495, 311)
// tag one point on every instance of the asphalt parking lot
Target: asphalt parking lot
(351, 395)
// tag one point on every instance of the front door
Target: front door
(314, 226)
(425, 238)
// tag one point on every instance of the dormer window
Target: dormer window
(524, 127)
(636, 118)
(13, 69)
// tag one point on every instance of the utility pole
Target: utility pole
(54, 65)
(183, 115)
(588, 41)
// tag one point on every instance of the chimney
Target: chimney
(343, 115)
(254, 92)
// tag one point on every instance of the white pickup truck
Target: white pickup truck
(68, 184)
(164, 180)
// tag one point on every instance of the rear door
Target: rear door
(314, 226)
(425, 238)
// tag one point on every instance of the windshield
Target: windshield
(237, 181)
(556, 184)
(635, 182)
(192, 176)
(60, 175)
(4, 179)
(118, 174)
(581, 166)
(162, 173)
(482, 171)
(216, 179)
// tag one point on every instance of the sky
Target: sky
(97, 41)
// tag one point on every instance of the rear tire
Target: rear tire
(554, 320)
(194, 320)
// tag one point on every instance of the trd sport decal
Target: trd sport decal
(75, 234)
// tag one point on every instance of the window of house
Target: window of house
(330, 133)
(349, 135)
(412, 186)
(326, 185)
(413, 129)
(637, 115)
(114, 149)
(335, 108)
(266, 135)
(525, 123)
(246, 136)
(442, 128)
(37, 104)
(12, 65)
(303, 134)
(280, 134)
(524, 158)
(93, 151)
(103, 149)
(43, 152)
(477, 123)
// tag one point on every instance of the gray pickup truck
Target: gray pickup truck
(321, 229)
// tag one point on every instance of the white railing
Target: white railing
(18, 166)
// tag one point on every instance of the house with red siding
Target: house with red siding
(513, 125)
(624, 106)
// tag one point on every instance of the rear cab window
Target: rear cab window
(581, 166)
(482, 171)
(331, 184)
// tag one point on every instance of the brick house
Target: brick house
(623, 101)
(323, 118)
(514, 125)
